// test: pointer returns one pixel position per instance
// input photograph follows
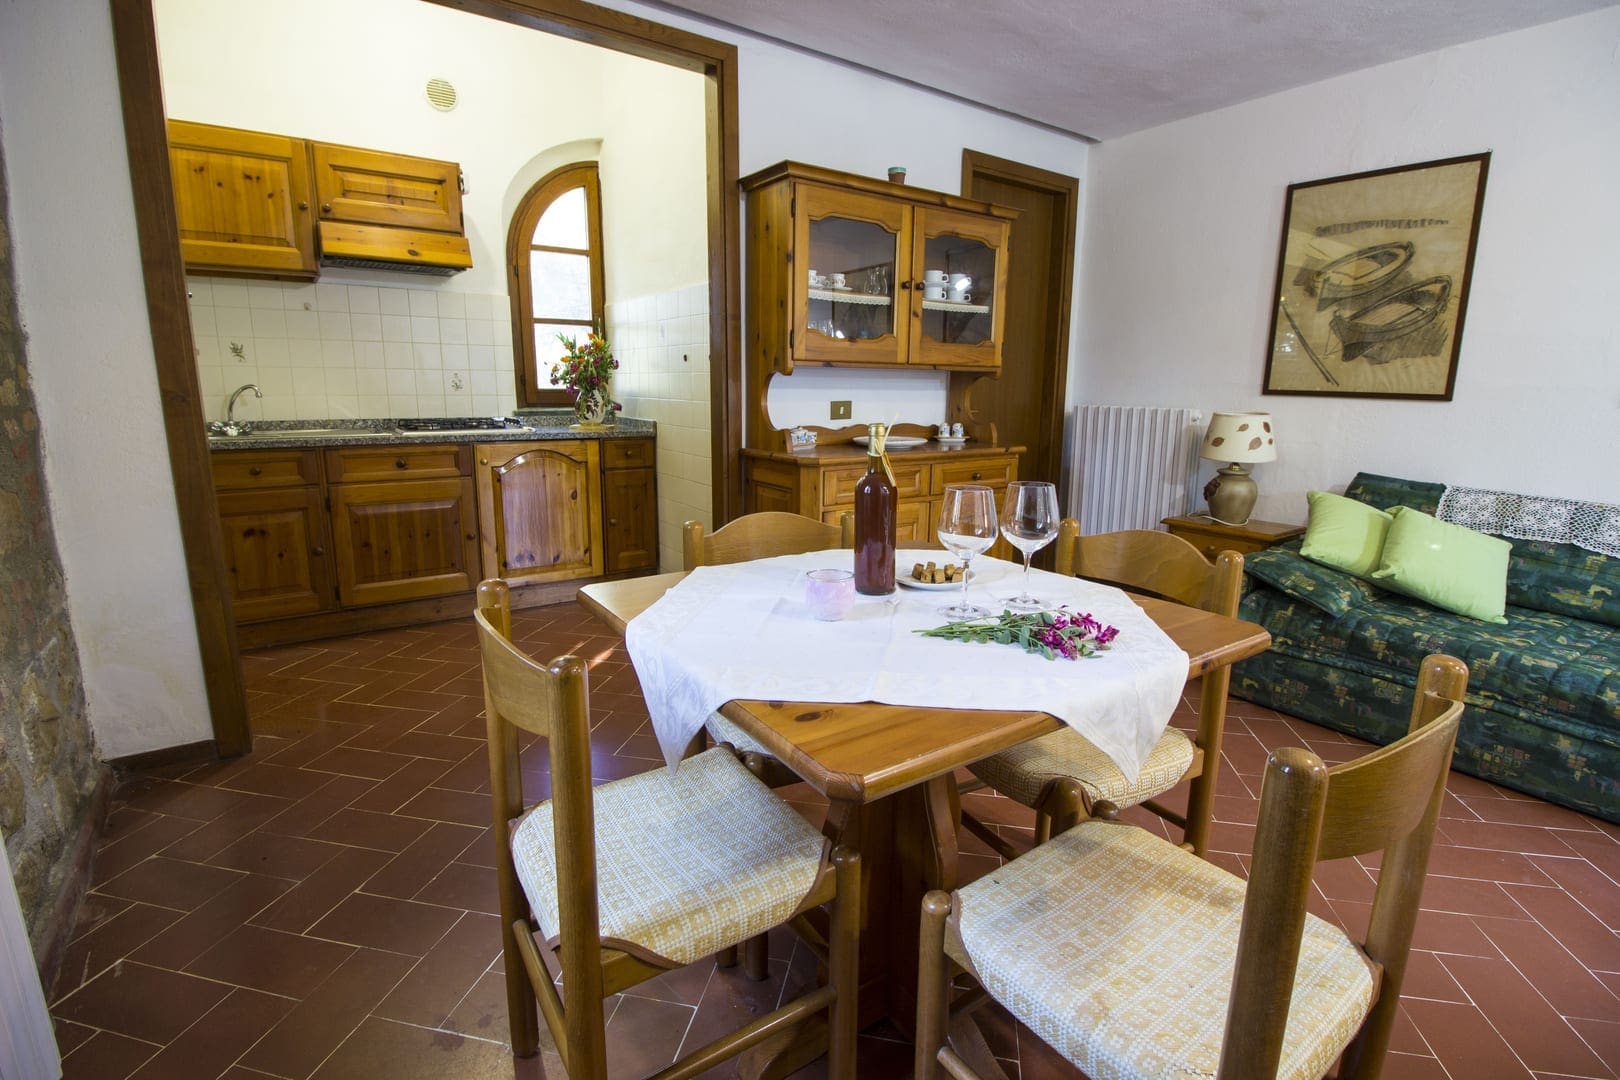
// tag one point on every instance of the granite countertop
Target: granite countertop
(319, 434)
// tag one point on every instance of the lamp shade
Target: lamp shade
(1239, 436)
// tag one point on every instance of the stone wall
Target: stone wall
(48, 765)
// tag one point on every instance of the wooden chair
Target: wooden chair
(1062, 776)
(1134, 958)
(760, 536)
(656, 871)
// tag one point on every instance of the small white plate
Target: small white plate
(895, 442)
(902, 576)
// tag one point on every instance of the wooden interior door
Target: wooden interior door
(1026, 403)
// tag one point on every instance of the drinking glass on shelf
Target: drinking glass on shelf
(967, 525)
(1029, 521)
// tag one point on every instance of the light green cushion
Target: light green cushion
(1344, 533)
(1447, 565)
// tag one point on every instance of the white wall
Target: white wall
(795, 106)
(90, 357)
(1181, 238)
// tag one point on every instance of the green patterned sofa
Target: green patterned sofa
(1544, 690)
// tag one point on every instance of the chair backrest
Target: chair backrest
(763, 535)
(1387, 800)
(1153, 562)
(551, 700)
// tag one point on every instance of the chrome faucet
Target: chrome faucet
(233, 426)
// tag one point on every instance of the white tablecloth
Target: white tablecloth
(743, 631)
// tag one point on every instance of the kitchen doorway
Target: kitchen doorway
(141, 94)
(1026, 403)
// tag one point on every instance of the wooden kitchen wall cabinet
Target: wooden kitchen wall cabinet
(274, 524)
(253, 204)
(243, 200)
(539, 513)
(408, 531)
(371, 187)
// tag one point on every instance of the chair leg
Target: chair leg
(843, 960)
(933, 985)
(1043, 828)
(522, 1020)
(1065, 804)
(756, 953)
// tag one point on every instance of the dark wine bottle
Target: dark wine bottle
(875, 499)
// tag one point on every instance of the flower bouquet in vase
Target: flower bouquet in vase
(587, 369)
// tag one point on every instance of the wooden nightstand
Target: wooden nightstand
(1211, 537)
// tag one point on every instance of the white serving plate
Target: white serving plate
(895, 442)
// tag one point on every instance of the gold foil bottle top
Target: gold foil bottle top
(877, 446)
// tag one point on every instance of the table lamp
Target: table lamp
(1237, 438)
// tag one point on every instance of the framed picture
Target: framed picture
(1372, 281)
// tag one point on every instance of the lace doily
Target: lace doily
(1593, 526)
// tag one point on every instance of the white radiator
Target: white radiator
(1131, 466)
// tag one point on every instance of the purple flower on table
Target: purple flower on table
(1049, 633)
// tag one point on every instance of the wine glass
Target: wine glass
(1029, 521)
(967, 525)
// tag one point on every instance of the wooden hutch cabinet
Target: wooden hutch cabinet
(880, 239)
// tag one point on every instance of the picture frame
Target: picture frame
(1373, 271)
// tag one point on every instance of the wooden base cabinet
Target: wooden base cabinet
(274, 527)
(538, 510)
(821, 484)
(404, 540)
(629, 505)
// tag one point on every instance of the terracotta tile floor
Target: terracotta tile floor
(326, 906)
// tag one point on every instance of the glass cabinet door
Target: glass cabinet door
(847, 262)
(959, 282)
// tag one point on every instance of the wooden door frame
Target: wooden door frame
(157, 229)
(1066, 190)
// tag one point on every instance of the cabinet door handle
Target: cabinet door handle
(978, 476)
(401, 463)
(905, 284)
(613, 521)
(326, 208)
(483, 461)
(303, 204)
(318, 552)
(255, 471)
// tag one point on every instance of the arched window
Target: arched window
(554, 250)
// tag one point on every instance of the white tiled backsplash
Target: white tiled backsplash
(662, 345)
(333, 350)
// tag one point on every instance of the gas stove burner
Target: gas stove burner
(459, 423)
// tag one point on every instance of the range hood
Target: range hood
(382, 211)
(383, 247)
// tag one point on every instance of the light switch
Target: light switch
(840, 410)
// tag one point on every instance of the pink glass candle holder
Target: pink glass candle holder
(829, 593)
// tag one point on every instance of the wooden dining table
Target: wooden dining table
(889, 775)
